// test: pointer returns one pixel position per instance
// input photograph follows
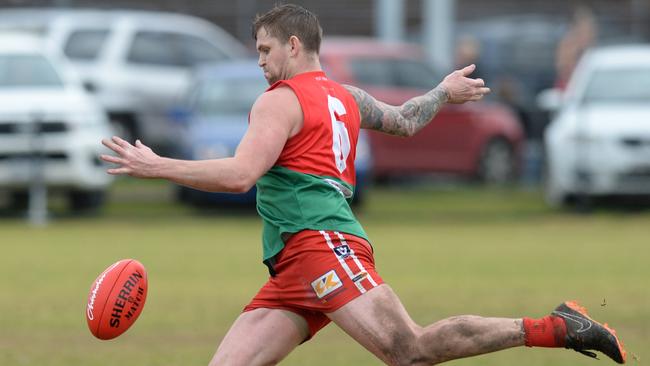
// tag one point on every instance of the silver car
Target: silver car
(599, 142)
(136, 62)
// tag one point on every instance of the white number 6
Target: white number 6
(340, 137)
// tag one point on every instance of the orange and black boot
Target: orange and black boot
(584, 334)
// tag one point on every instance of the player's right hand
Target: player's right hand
(137, 161)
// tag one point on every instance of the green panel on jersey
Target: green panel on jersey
(289, 202)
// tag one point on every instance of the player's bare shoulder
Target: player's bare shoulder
(280, 97)
(278, 106)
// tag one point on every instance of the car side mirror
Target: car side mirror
(550, 100)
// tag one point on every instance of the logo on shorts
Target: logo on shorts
(342, 251)
(326, 284)
(360, 276)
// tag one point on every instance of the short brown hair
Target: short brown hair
(284, 21)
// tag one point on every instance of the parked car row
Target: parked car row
(70, 77)
(137, 63)
(133, 68)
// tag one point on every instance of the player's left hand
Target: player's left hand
(134, 160)
(461, 88)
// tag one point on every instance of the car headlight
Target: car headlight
(89, 122)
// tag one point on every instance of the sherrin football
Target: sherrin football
(116, 298)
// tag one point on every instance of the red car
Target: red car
(479, 140)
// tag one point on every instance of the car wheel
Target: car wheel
(86, 200)
(183, 194)
(580, 202)
(497, 165)
(358, 198)
(125, 125)
(552, 194)
(557, 197)
(18, 201)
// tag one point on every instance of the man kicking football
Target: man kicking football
(299, 150)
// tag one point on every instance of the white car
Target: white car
(44, 111)
(136, 62)
(599, 142)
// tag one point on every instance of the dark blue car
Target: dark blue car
(214, 117)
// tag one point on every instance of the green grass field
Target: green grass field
(444, 251)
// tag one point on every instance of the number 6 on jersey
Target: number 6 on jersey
(340, 137)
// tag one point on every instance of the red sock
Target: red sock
(549, 331)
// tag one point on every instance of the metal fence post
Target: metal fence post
(37, 210)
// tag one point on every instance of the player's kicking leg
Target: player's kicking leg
(379, 322)
(261, 337)
(584, 334)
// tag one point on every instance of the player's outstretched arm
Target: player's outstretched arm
(275, 116)
(139, 161)
(412, 116)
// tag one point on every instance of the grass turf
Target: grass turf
(444, 251)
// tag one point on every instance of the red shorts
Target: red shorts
(316, 273)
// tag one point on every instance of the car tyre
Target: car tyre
(497, 165)
(86, 201)
(18, 201)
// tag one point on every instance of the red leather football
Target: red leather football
(116, 298)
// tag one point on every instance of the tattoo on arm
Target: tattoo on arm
(404, 120)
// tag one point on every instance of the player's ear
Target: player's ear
(295, 45)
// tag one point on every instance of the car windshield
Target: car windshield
(229, 96)
(27, 71)
(619, 86)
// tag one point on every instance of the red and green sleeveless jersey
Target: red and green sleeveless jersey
(312, 182)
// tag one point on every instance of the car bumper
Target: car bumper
(628, 181)
(65, 161)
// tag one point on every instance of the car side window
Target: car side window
(414, 74)
(394, 72)
(28, 70)
(85, 44)
(373, 71)
(155, 48)
(196, 50)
